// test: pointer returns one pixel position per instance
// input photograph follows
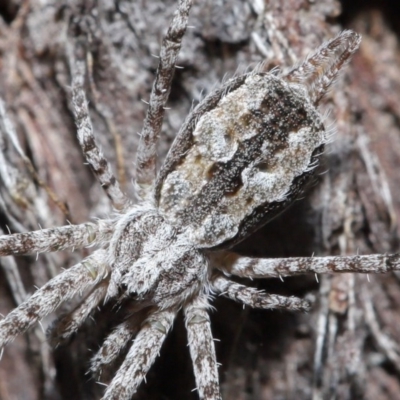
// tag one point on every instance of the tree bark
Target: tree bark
(346, 347)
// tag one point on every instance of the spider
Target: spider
(242, 156)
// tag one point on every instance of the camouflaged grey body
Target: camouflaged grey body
(241, 157)
(241, 162)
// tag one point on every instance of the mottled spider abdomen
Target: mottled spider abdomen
(245, 159)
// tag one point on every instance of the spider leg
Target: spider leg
(48, 298)
(248, 267)
(254, 298)
(146, 154)
(202, 349)
(66, 326)
(90, 148)
(112, 346)
(13, 277)
(14, 281)
(320, 69)
(55, 239)
(141, 355)
(116, 341)
(107, 115)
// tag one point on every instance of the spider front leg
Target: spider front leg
(56, 239)
(146, 154)
(248, 267)
(202, 349)
(49, 297)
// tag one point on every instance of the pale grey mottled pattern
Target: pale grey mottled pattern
(93, 154)
(48, 298)
(255, 298)
(234, 166)
(202, 349)
(275, 267)
(145, 348)
(55, 239)
(63, 328)
(147, 151)
(243, 155)
(114, 343)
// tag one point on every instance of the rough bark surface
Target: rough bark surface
(346, 348)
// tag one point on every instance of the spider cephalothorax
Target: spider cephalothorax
(153, 261)
(242, 156)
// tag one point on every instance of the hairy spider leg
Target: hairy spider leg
(56, 239)
(63, 328)
(147, 151)
(141, 356)
(254, 298)
(116, 341)
(248, 267)
(77, 279)
(87, 141)
(202, 349)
